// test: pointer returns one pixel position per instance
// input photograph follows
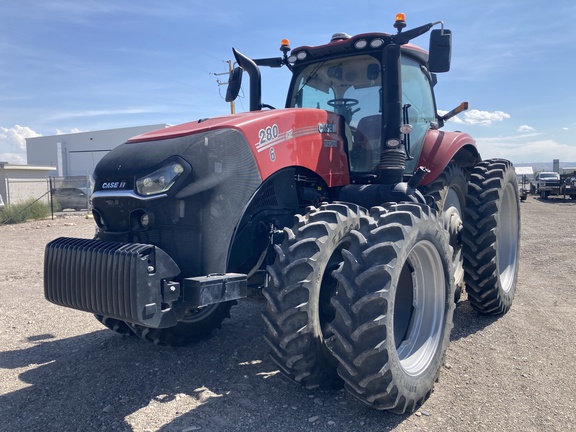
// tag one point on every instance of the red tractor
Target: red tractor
(350, 213)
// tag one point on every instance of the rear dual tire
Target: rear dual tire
(394, 307)
(298, 310)
(492, 236)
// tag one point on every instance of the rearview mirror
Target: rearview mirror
(234, 84)
(440, 50)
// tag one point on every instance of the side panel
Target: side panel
(441, 147)
(308, 138)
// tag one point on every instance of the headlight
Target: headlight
(160, 180)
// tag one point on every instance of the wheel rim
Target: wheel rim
(198, 314)
(419, 308)
(453, 208)
(507, 238)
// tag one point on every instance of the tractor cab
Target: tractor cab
(380, 85)
(353, 86)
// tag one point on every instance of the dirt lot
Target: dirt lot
(61, 370)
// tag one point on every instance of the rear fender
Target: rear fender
(440, 148)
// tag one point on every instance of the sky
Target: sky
(81, 65)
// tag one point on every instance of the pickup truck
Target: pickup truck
(545, 183)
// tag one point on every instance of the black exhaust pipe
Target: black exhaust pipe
(255, 80)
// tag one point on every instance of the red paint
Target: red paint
(299, 141)
(439, 148)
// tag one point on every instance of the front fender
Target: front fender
(441, 147)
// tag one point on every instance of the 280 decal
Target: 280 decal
(269, 137)
(268, 134)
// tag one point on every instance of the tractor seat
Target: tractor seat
(365, 152)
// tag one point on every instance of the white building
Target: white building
(20, 183)
(77, 154)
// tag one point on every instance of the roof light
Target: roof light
(285, 46)
(362, 43)
(376, 43)
(400, 22)
(300, 55)
(406, 128)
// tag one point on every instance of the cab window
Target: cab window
(417, 92)
(350, 87)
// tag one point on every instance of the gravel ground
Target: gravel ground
(60, 370)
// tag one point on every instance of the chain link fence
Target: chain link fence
(71, 192)
(60, 193)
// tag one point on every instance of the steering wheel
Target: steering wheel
(343, 102)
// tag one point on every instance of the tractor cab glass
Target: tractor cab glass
(352, 88)
(417, 96)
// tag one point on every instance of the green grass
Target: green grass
(24, 211)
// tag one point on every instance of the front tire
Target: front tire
(298, 310)
(492, 236)
(115, 325)
(394, 307)
(197, 324)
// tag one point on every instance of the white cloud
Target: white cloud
(13, 143)
(525, 128)
(477, 117)
(521, 149)
(484, 118)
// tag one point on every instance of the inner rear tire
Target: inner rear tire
(492, 236)
(449, 192)
(394, 307)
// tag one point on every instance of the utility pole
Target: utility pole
(220, 83)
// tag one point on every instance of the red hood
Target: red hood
(234, 121)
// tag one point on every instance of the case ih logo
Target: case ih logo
(113, 185)
(327, 127)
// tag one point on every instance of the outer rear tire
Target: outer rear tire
(394, 307)
(196, 325)
(298, 310)
(492, 236)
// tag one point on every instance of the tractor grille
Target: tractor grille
(118, 280)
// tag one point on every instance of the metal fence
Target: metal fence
(54, 191)
(71, 192)
(19, 190)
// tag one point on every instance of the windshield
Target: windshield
(350, 87)
(549, 176)
(347, 86)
